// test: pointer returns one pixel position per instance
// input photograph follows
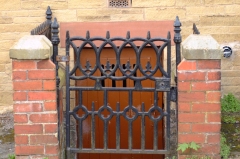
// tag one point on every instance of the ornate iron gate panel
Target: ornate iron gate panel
(88, 71)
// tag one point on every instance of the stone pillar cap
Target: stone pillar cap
(197, 47)
(35, 47)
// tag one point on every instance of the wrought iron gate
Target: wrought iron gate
(88, 71)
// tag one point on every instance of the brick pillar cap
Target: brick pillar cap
(35, 47)
(197, 47)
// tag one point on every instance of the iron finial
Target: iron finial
(195, 29)
(67, 35)
(49, 14)
(148, 35)
(169, 35)
(128, 35)
(87, 34)
(107, 35)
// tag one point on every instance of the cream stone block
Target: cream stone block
(164, 13)
(152, 3)
(65, 15)
(15, 13)
(189, 2)
(6, 44)
(76, 4)
(25, 20)
(5, 20)
(4, 58)
(6, 98)
(212, 2)
(203, 10)
(10, 5)
(17, 27)
(94, 18)
(55, 5)
(127, 17)
(232, 9)
(225, 20)
(30, 5)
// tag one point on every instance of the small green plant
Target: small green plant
(12, 156)
(184, 146)
(225, 149)
(229, 103)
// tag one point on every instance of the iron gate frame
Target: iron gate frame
(51, 29)
(162, 84)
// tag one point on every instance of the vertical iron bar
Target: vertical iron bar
(155, 135)
(143, 128)
(105, 123)
(130, 123)
(177, 41)
(118, 127)
(80, 130)
(105, 134)
(55, 42)
(67, 94)
(155, 124)
(93, 127)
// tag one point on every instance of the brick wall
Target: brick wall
(35, 111)
(199, 105)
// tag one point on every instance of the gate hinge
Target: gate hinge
(62, 58)
(173, 91)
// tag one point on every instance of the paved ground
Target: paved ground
(6, 135)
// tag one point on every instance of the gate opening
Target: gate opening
(118, 128)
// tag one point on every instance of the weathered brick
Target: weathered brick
(27, 107)
(29, 150)
(28, 129)
(187, 66)
(42, 95)
(184, 107)
(19, 75)
(192, 76)
(49, 85)
(43, 139)
(24, 65)
(213, 97)
(20, 96)
(51, 128)
(191, 117)
(45, 64)
(203, 86)
(198, 138)
(209, 64)
(184, 86)
(20, 118)
(206, 107)
(184, 128)
(207, 128)
(191, 96)
(214, 117)
(21, 139)
(42, 74)
(43, 118)
(27, 85)
(50, 106)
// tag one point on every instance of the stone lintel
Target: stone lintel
(35, 47)
(197, 47)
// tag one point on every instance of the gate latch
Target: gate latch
(173, 91)
(62, 58)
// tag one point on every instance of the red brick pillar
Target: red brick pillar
(199, 86)
(35, 109)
